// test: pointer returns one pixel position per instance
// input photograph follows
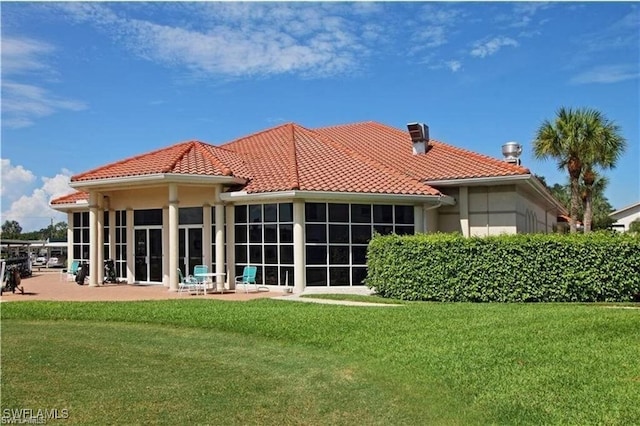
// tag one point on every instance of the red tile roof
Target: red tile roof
(394, 147)
(363, 157)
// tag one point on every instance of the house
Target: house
(301, 204)
(625, 216)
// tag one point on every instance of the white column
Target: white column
(131, 247)
(207, 258)
(231, 246)
(173, 237)
(93, 239)
(299, 271)
(70, 226)
(219, 245)
(463, 205)
(100, 252)
(166, 279)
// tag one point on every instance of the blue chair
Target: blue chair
(188, 283)
(70, 274)
(247, 278)
(198, 274)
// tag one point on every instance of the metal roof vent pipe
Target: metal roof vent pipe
(511, 152)
(419, 133)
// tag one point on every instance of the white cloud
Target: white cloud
(238, 39)
(14, 178)
(23, 103)
(483, 49)
(32, 211)
(606, 74)
(21, 55)
(453, 65)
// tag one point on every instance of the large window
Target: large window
(81, 236)
(337, 236)
(121, 244)
(264, 238)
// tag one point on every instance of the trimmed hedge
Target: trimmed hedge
(597, 267)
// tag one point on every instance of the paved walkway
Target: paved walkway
(49, 286)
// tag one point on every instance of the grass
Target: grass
(355, 298)
(279, 362)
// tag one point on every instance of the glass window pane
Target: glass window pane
(339, 234)
(404, 214)
(338, 255)
(286, 212)
(255, 233)
(359, 254)
(286, 255)
(286, 276)
(361, 213)
(255, 254)
(358, 275)
(77, 220)
(383, 229)
(360, 234)
(241, 214)
(339, 276)
(271, 275)
(85, 235)
(241, 253)
(383, 214)
(271, 254)
(315, 212)
(105, 218)
(404, 230)
(286, 233)
(190, 216)
(316, 276)
(271, 233)
(316, 255)
(255, 213)
(270, 212)
(147, 217)
(241, 233)
(316, 233)
(339, 213)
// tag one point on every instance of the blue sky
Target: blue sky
(85, 84)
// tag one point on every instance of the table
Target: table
(209, 275)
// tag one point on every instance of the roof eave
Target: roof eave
(156, 178)
(243, 196)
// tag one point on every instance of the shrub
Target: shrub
(599, 266)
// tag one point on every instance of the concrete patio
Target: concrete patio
(47, 285)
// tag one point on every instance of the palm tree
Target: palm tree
(579, 140)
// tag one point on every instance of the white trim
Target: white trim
(629, 207)
(155, 178)
(244, 197)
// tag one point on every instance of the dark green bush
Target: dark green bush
(597, 267)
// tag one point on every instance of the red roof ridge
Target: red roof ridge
(258, 133)
(188, 146)
(226, 171)
(367, 160)
(124, 160)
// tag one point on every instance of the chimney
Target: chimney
(419, 133)
(511, 152)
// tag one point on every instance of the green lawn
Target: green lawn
(277, 362)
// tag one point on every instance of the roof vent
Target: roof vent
(419, 133)
(511, 152)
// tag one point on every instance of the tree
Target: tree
(11, 229)
(574, 139)
(600, 203)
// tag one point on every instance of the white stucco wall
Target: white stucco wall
(624, 217)
(533, 216)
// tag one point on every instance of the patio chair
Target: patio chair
(70, 274)
(188, 283)
(198, 274)
(247, 278)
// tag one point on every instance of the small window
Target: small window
(315, 212)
